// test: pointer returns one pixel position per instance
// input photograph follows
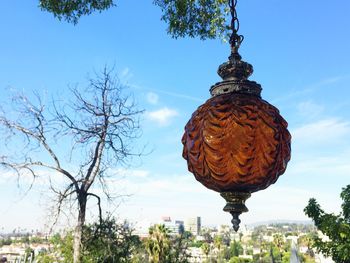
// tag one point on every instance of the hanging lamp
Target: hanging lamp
(236, 143)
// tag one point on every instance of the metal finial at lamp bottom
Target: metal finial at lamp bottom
(235, 206)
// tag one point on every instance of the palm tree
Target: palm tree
(206, 249)
(158, 244)
(279, 242)
(218, 242)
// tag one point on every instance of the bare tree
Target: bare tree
(95, 129)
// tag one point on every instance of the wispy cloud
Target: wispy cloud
(162, 116)
(171, 184)
(125, 74)
(179, 95)
(152, 98)
(182, 196)
(301, 92)
(327, 81)
(322, 131)
(321, 166)
(309, 109)
(169, 93)
(146, 184)
(280, 202)
(127, 173)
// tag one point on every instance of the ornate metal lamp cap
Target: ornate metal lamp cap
(235, 74)
(235, 68)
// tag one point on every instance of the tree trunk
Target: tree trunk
(82, 198)
(271, 253)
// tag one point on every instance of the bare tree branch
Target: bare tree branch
(95, 129)
(98, 204)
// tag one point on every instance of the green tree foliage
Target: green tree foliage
(109, 241)
(206, 234)
(158, 244)
(37, 240)
(163, 248)
(218, 243)
(202, 18)
(277, 251)
(72, 10)
(278, 242)
(25, 239)
(193, 18)
(197, 243)
(179, 245)
(275, 254)
(335, 227)
(286, 257)
(306, 259)
(103, 242)
(63, 248)
(5, 242)
(46, 258)
(240, 260)
(236, 249)
(308, 241)
(205, 248)
(29, 255)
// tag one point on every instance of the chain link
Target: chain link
(235, 39)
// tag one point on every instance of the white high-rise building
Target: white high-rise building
(174, 227)
(193, 225)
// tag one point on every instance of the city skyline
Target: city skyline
(303, 71)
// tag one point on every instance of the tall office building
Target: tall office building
(193, 225)
(174, 227)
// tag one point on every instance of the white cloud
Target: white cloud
(171, 94)
(323, 131)
(125, 173)
(301, 93)
(182, 96)
(142, 183)
(171, 184)
(24, 180)
(328, 81)
(162, 116)
(286, 203)
(324, 166)
(309, 109)
(152, 98)
(125, 74)
(181, 196)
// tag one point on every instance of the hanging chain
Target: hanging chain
(235, 39)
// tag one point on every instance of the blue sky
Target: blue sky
(299, 50)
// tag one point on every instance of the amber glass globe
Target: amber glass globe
(236, 142)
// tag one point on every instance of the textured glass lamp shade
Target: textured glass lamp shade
(236, 143)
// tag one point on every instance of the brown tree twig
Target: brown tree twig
(101, 122)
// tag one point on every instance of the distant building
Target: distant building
(166, 218)
(193, 225)
(195, 254)
(12, 253)
(180, 225)
(176, 227)
(268, 238)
